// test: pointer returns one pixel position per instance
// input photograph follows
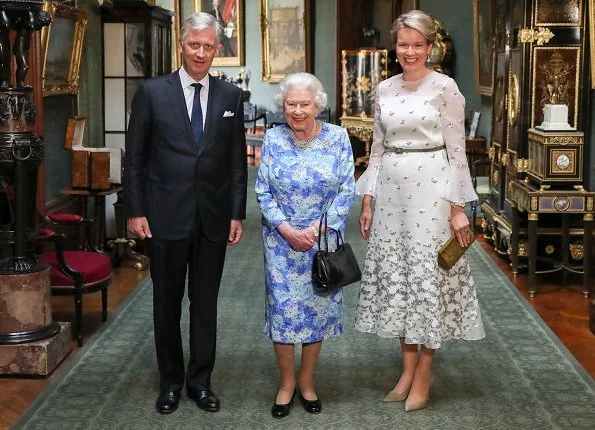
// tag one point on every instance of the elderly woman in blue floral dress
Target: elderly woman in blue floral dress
(306, 170)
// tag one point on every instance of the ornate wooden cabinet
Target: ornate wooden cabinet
(539, 58)
(137, 45)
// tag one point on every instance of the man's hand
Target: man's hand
(235, 231)
(140, 227)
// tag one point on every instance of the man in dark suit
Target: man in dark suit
(185, 191)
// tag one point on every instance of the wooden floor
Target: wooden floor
(564, 310)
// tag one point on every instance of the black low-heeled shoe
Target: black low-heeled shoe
(281, 411)
(311, 406)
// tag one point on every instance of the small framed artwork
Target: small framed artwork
(62, 44)
(474, 123)
(230, 15)
(484, 14)
(285, 30)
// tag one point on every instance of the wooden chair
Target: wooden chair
(251, 117)
(324, 115)
(76, 272)
(274, 118)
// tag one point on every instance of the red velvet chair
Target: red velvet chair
(76, 272)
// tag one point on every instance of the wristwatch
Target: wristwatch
(458, 205)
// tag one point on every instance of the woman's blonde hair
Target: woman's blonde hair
(417, 20)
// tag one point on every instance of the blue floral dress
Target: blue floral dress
(298, 185)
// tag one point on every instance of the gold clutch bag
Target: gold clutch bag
(451, 251)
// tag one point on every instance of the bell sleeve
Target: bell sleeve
(271, 212)
(339, 208)
(459, 188)
(366, 184)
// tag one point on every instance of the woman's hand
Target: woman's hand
(365, 216)
(299, 239)
(459, 225)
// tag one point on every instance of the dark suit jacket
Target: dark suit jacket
(167, 178)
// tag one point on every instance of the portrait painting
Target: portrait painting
(230, 15)
(484, 27)
(285, 38)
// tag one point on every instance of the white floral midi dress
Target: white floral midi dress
(403, 291)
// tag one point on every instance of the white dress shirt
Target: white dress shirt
(188, 89)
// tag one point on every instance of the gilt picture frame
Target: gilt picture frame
(484, 14)
(61, 47)
(230, 14)
(285, 30)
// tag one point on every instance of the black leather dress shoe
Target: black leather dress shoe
(167, 402)
(281, 411)
(205, 400)
(311, 406)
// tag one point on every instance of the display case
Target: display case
(137, 45)
(362, 71)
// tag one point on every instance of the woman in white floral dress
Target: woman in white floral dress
(419, 180)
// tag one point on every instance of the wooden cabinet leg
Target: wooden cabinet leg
(532, 227)
(514, 257)
(587, 244)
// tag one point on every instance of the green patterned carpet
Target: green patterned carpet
(519, 377)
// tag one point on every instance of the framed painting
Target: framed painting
(484, 14)
(230, 14)
(285, 30)
(62, 44)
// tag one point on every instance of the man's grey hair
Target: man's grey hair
(301, 81)
(200, 21)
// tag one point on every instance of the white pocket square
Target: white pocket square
(227, 113)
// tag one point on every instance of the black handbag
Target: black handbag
(333, 269)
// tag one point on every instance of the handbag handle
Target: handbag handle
(339, 236)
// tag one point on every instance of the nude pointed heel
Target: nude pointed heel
(415, 405)
(394, 396)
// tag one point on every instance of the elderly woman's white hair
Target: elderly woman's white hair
(301, 80)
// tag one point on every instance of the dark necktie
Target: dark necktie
(196, 117)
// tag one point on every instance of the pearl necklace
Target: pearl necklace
(304, 143)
